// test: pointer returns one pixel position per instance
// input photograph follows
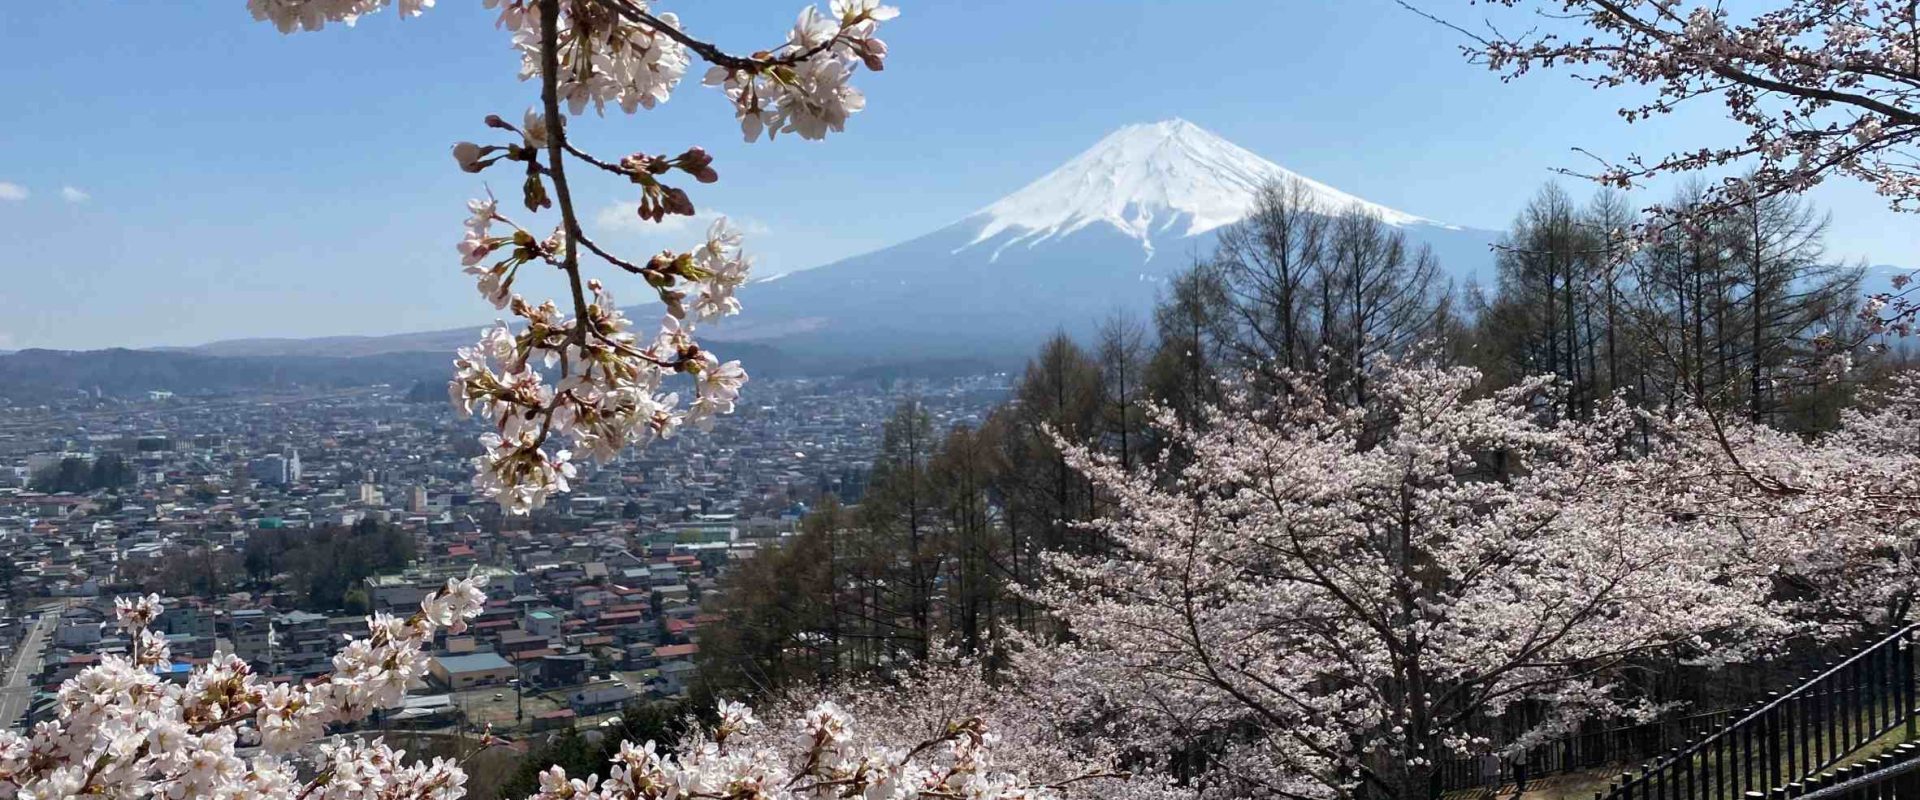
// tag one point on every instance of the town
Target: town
(218, 504)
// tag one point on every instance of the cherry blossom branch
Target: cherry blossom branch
(556, 135)
(711, 53)
(587, 52)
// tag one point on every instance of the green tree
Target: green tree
(783, 612)
(324, 563)
(110, 471)
(71, 474)
(588, 753)
(963, 474)
(899, 520)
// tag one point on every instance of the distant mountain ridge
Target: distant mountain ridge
(440, 341)
(25, 374)
(243, 365)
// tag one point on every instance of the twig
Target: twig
(556, 149)
(708, 51)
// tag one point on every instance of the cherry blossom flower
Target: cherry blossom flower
(812, 97)
(724, 268)
(634, 66)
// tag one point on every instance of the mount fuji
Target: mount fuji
(1101, 234)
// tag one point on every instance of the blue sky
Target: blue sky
(191, 175)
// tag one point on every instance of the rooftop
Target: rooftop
(473, 662)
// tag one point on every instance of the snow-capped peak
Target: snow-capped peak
(1170, 178)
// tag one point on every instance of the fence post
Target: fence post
(1906, 684)
(1828, 713)
(1770, 728)
(1721, 766)
(1907, 782)
(1745, 775)
(1787, 720)
(1883, 688)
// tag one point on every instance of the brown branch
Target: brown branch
(712, 54)
(556, 148)
(591, 159)
(1722, 69)
(610, 258)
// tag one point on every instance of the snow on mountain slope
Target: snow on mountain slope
(1170, 179)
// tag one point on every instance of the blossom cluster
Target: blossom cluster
(1026, 707)
(811, 96)
(580, 373)
(632, 66)
(312, 15)
(609, 391)
(618, 52)
(818, 756)
(1834, 515)
(122, 731)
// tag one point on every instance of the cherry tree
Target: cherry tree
(578, 372)
(1337, 599)
(1833, 516)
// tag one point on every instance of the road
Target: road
(18, 692)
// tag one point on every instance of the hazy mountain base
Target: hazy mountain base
(942, 295)
(30, 376)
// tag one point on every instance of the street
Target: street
(17, 692)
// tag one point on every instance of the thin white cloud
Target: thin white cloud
(12, 192)
(636, 239)
(73, 195)
(625, 218)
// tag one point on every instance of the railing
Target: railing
(1793, 736)
(1894, 775)
(1577, 752)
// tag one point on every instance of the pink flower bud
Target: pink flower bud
(468, 155)
(675, 201)
(873, 53)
